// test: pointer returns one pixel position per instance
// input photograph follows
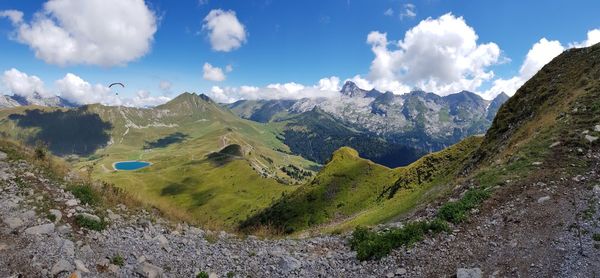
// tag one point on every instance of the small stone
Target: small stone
(390, 275)
(213, 275)
(555, 144)
(60, 267)
(288, 264)
(41, 229)
(71, 203)
(543, 199)
(86, 249)
(3, 156)
(104, 262)
(469, 273)
(537, 163)
(68, 248)
(597, 189)
(163, 241)
(113, 268)
(81, 266)
(590, 138)
(401, 271)
(597, 128)
(148, 270)
(13, 222)
(112, 216)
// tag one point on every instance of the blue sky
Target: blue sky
(300, 42)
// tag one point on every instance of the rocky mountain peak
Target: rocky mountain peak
(352, 90)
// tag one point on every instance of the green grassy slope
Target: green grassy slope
(352, 191)
(184, 181)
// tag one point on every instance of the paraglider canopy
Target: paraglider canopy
(117, 83)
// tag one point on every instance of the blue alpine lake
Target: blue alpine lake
(131, 165)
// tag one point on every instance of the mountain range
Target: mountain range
(36, 99)
(407, 126)
(210, 165)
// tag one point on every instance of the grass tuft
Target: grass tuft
(456, 212)
(117, 260)
(85, 193)
(375, 245)
(84, 222)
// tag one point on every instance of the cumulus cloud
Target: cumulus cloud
(225, 32)
(22, 84)
(94, 32)
(593, 37)
(440, 55)
(77, 90)
(539, 55)
(213, 73)
(326, 87)
(16, 17)
(409, 11)
(144, 99)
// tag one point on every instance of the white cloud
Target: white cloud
(77, 90)
(19, 83)
(16, 17)
(219, 95)
(165, 85)
(225, 31)
(388, 12)
(539, 55)
(73, 88)
(440, 55)
(326, 87)
(593, 37)
(228, 68)
(95, 32)
(361, 82)
(329, 84)
(213, 73)
(409, 11)
(144, 99)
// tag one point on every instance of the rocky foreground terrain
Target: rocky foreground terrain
(536, 228)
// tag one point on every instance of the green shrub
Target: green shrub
(51, 217)
(596, 237)
(202, 274)
(230, 274)
(457, 211)
(374, 245)
(85, 193)
(117, 260)
(84, 222)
